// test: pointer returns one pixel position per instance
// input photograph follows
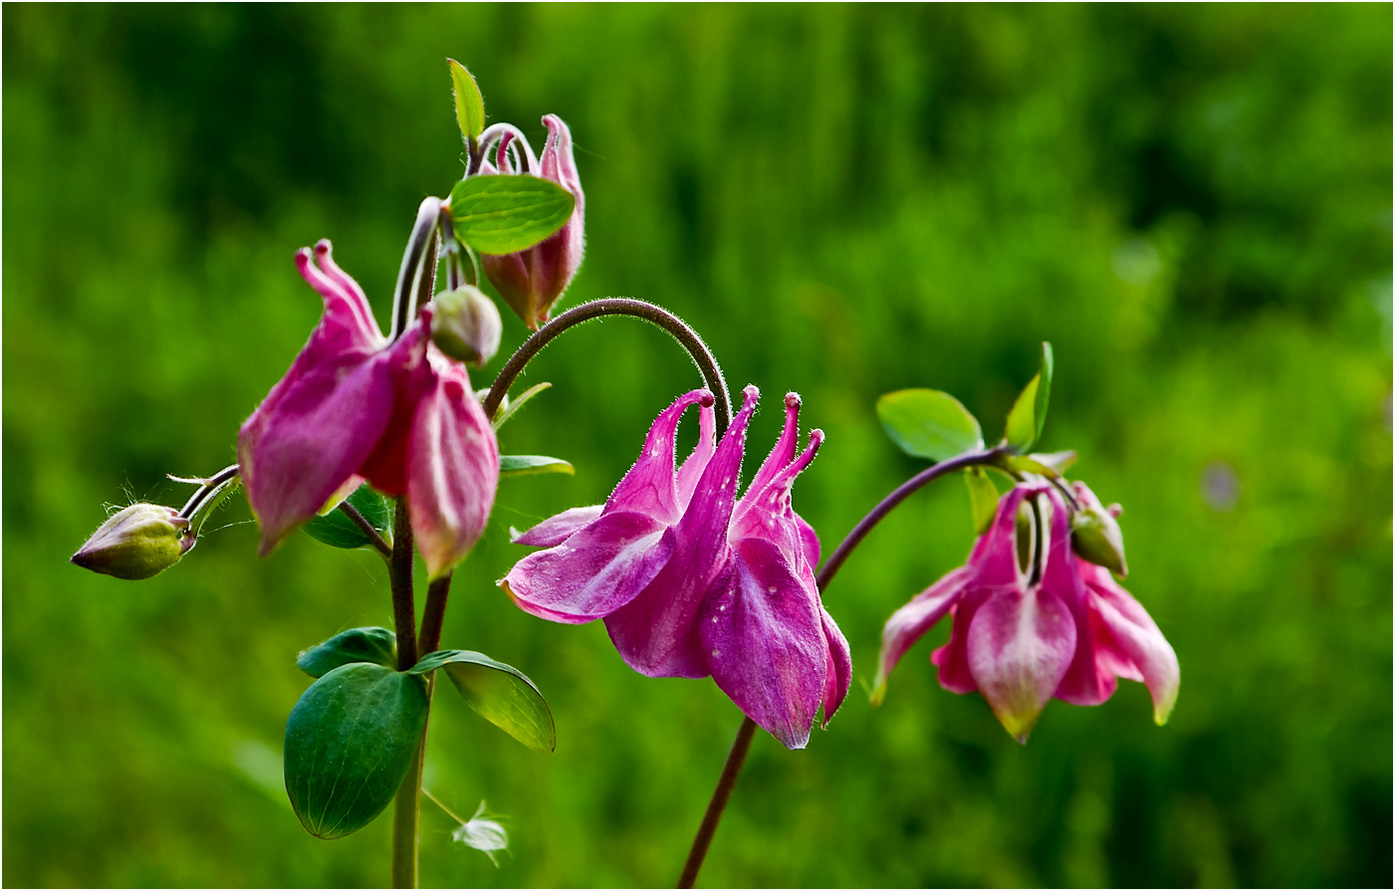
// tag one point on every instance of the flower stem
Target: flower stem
(429, 641)
(732, 769)
(616, 306)
(406, 818)
(404, 297)
(366, 528)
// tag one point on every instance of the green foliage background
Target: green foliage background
(1192, 204)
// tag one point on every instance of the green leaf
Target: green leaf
(500, 214)
(983, 498)
(1028, 415)
(523, 465)
(929, 424)
(469, 104)
(338, 531)
(501, 694)
(376, 645)
(349, 742)
(510, 406)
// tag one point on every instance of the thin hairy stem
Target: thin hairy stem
(404, 611)
(406, 815)
(732, 769)
(366, 528)
(434, 617)
(616, 306)
(209, 487)
(404, 296)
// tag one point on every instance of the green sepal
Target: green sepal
(349, 743)
(511, 406)
(1028, 415)
(469, 104)
(983, 498)
(376, 645)
(929, 424)
(502, 214)
(524, 465)
(501, 694)
(338, 531)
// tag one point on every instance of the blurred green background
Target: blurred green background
(1192, 204)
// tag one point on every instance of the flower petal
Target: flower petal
(909, 623)
(594, 572)
(764, 638)
(1136, 637)
(696, 462)
(1020, 643)
(838, 673)
(555, 530)
(452, 469)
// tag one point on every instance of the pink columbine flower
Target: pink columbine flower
(1060, 627)
(531, 280)
(354, 406)
(692, 581)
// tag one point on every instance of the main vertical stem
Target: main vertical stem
(730, 771)
(406, 815)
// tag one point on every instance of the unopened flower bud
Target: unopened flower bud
(532, 279)
(140, 541)
(1096, 537)
(466, 325)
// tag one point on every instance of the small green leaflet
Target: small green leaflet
(929, 424)
(523, 465)
(469, 104)
(983, 498)
(511, 406)
(338, 531)
(349, 742)
(377, 645)
(1028, 415)
(501, 694)
(501, 214)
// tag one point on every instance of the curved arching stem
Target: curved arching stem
(616, 306)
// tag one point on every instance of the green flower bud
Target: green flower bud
(1096, 537)
(139, 542)
(466, 325)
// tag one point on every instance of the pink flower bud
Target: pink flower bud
(532, 279)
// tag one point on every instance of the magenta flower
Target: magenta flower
(532, 279)
(1061, 627)
(692, 581)
(352, 407)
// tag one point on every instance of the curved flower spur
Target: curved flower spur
(693, 582)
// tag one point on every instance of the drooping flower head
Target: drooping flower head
(354, 406)
(692, 581)
(532, 279)
(1027, 630)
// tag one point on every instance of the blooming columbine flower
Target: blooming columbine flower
(532, 279)
(353, 405)
(1060, 627)
(692, 581)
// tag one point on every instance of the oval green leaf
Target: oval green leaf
(349, 742)
(469, 104)
(338, 531)
(523, 465)
(983, 498)
(1028, 416)
(929, 424)
(376, 645)
(501, 694)
(501, 214)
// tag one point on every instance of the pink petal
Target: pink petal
(649, 486)
(555, 530)
(696, 463)
(838, 673)
(594, 572)
(1135, 637)
(783, 452)
(1020, 643)
(559, 165)
(764, 638)
(909, 623)
(452, 470)
(655, 632)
